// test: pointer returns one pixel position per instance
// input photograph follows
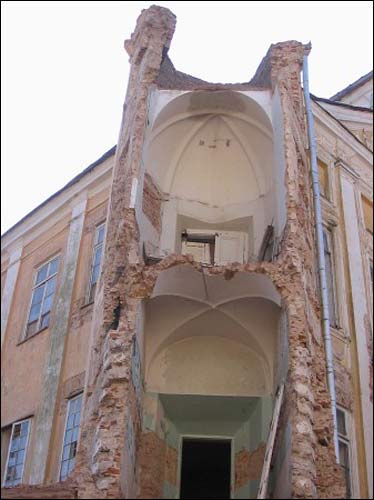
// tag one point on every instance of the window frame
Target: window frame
(34, 287)
(347, 440)
(366, 201)
(330, 250)
(324, 165)
(212, 238)
(208, 238)
(9, 448)
(94, 246)
(70, 399)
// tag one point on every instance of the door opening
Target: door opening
(206, 468)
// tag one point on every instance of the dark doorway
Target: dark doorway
(206, 469)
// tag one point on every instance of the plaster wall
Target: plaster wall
(8, 283)
(207, 365)
(22, 382)
(17, 382)
(58, 332)
(360, 311)
(77, 339)
(279, 163)
(4, 267)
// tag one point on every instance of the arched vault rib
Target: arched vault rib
(248, 151)
(252, 162)
(172, 170)
(182, 116)
(214, 305)
(172, 336)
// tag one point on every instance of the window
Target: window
(344, 451)
(323, 175)
(367, 209)
(17, 453)
(201, 246)
(96, 261)
(215, 248)
(42, 297)
(69, 449)
(330, 278)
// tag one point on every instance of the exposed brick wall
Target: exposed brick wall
(248, 465)
(57, 491)
(171, 465)
(151, 462)
(108, 393)
(152, 199)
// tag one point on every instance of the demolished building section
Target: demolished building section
(208, 299)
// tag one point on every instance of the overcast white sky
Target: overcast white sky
(64, 72)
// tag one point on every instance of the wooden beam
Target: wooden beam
(262, 491)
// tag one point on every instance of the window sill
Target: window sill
(32, 336)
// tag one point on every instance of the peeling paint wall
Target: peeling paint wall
(58, 332)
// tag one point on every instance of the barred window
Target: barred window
(17, 453)
(42, 297)
(96, 261)
(70, 444)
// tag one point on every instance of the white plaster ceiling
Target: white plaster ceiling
(212, 414)
(185, 281)
(212, 147)
(239, 316)
(179, 408)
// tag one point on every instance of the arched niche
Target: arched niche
(211, 155)
(209, 335)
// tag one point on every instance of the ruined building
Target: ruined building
(164, 307)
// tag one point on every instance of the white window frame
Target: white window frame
(94, 247)
(80, 395)
(9, 447)
(347, 440)
(34, 287)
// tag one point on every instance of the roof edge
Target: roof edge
(353, 86)
(73, 181)
(342, 125)
(341, 104)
